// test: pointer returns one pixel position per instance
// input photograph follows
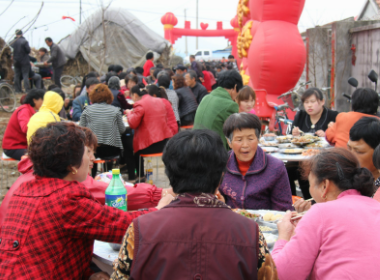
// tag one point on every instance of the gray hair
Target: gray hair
(114, 83)
(192, 74)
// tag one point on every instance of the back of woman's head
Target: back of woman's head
(34, 94)
(131, 77)
(139, 89)
(310, 92)
(178, 81)
(56, 147)
(229, 79)
(109, 75)
(114, 83)
(91, 139)
(101, 94)
(365, 100)
(194, 161)
(368, 130)
(164, 80)
(156, 91)
(342, 168)
(245, 93)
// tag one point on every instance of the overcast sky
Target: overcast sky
(316, 12)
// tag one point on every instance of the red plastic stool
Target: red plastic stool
(185, 127)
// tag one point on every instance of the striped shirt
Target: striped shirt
(173, 98)
(106, 122)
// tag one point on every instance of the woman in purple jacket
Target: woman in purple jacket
(253, 179)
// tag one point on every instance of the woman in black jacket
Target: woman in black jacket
(187, 102)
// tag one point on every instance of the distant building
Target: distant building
(370, 11)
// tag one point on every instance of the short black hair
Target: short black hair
(122, 75)
(139, 89)
(52, 86)
(193, 74)
(156, 72)
(376, 157)
(60, 92)
(368, 129)
(218, 67)
(229, 79)
(365, 100)
(49, 39)
(239, 121)
(312, 91)
(111, 68)
(139, 70)
(230, 56)
(117, 68)
(192, 56)
(157, 91)
(149, 55)
(109, 75)
(194, 161)
(34, 94)
(91, 81)
(131, 77)
(164, 81)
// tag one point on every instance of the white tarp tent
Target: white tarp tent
(127, 40)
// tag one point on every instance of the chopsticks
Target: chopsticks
(298, 216)
(310, 199)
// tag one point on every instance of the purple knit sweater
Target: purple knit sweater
(265, 186)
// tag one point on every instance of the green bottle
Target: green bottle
(116, 193)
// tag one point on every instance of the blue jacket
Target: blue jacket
(78, 106)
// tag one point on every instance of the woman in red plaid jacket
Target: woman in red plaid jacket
(52, 221)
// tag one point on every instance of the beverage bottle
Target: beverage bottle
(85, 103)
(116, 194)
(149, 172)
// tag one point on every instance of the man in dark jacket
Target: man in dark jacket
(82, 101)
(58, 60)
(21, 61)
(197, 88)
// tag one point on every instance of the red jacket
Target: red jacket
(50, 228)
(149, 118)
(172, 122)
(15, 133)
(207, 80)
(195, 237)
(140, 196)
(148, 64)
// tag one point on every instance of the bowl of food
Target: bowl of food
(283, 139)
(270, 239)
(269, 138)
(286, 146)
(292, 151)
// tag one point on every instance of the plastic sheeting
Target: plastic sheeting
(127, 40)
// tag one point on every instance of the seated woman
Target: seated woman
(315, 117)
(338, 238)
(187, 105)
(149, 118)
(14, 141)
(48, 113)
(118, 98)
(364, 103)
(226, 245)
(253, 179)
(106, 122)
(139, 197)
(246, 99)
(54, 214)
(130, 81)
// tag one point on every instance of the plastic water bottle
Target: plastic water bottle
(149, 172)
(116, 193)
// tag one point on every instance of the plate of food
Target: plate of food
(271, 216)
(284, 139)
(317, 145)
(270, 238)
(248, 214)
(310, 152)
(269, 144)
(267, 227)
(286, 146)
(294, 151)
(270, 149)
(303, 140)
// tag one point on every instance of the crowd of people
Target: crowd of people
(52, 214)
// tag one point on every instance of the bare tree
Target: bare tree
(104, 9)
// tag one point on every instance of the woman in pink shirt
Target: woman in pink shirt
(338, 238)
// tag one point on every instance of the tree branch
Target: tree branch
(7, 7)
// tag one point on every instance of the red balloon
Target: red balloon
(277, 57)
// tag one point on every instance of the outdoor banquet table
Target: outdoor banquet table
(286, 157)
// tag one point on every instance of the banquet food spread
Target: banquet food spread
(265, 228)
(270, 217)
(245, 213)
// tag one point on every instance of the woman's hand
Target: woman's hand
(99, 276)
(301, 205)
(286, 227)
(220, 196)
(320, 133)
(127, 112)
(296, 131)
(330, 124)
(165, 200)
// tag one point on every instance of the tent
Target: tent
(127, 40)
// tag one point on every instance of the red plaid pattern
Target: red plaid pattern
(50, 228)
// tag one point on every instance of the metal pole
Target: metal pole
(80, 11)
(196, 44)
(185, 38)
